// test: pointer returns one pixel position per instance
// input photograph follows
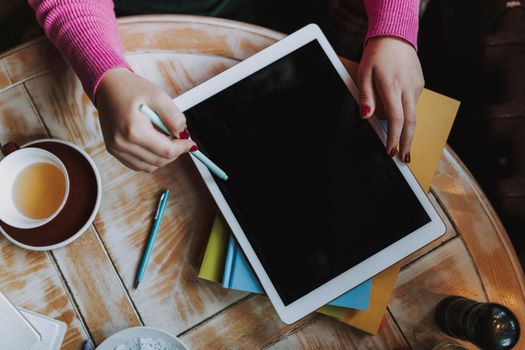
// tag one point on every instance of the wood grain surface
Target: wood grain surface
(32, 279)
(327, 333)
(105, 306)
(4, 78)
(88, 284)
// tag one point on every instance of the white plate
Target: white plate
(126, 335)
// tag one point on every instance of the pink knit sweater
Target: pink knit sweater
(85, 31)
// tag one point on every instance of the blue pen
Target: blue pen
(151, 240)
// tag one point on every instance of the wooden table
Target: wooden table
(88, 284)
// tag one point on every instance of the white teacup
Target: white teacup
(10, 167)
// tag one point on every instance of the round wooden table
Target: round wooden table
(88, 284)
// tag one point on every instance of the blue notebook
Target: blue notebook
(238, 274)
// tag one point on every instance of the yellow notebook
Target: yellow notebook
(212, 266)
(435, 116)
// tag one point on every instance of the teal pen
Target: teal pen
(153, 234)
(155, 119)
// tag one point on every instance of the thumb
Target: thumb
(188, 145)
(171, 116)
(366, 93)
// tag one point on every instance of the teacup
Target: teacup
(34, 187)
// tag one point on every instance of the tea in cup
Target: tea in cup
(34, 186)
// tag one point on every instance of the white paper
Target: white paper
(52, 331)
(16, 332)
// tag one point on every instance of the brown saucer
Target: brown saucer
(80, 208)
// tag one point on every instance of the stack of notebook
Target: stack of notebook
(364, 306)
(239, 275)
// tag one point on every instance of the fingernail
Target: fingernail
(185, 134)
(194, 148)
(392, 152)
(407, 158)
(365, 111)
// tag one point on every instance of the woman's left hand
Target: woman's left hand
(391, 73)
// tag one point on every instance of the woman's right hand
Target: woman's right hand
(129, 135)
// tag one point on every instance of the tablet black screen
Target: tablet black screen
(310, 182)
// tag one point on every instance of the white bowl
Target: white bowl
(128, 334)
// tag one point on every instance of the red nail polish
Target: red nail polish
(392, 152)
(185, 134)
(407, 158)
(194, 148)
(365, 111)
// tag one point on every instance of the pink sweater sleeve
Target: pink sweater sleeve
(393, 18)
(85, 33)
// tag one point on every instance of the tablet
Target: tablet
(313, 199)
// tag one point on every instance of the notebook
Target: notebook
(52, 331)
(23, 330)
(16, 332)
(239, 275)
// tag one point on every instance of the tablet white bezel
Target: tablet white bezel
(357, 274)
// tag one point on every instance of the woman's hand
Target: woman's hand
(390, 72)
(129, 135)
